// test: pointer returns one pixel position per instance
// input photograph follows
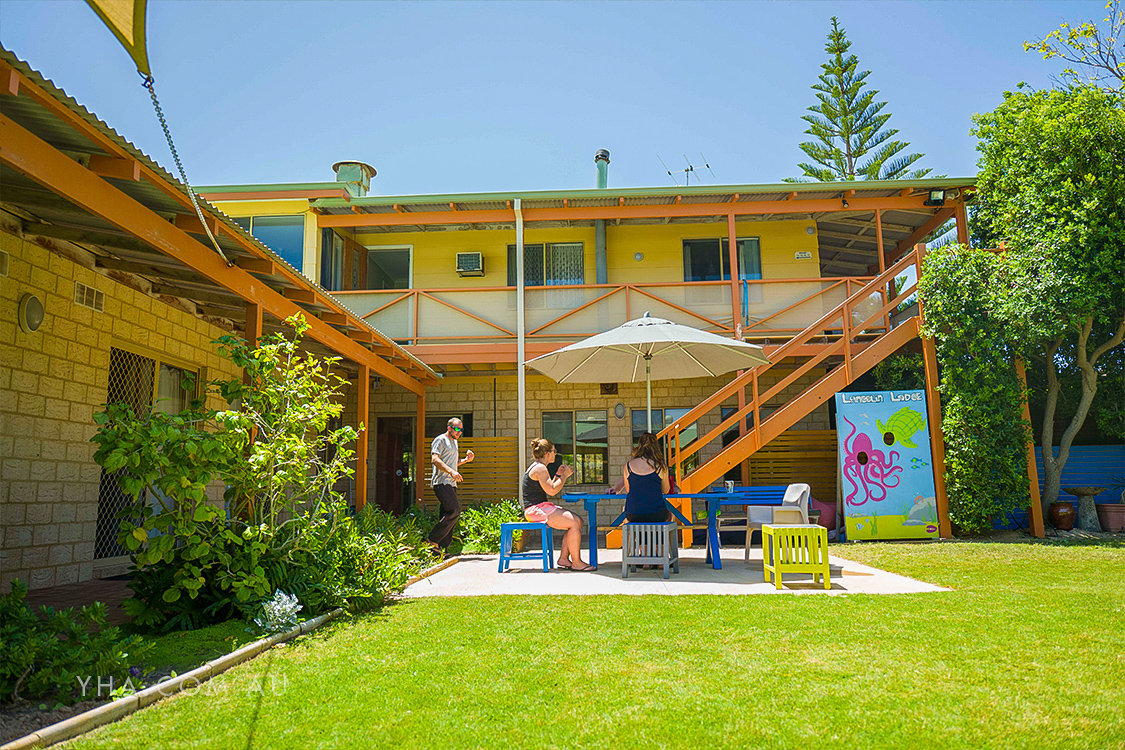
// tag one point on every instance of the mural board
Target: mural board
(886, 479)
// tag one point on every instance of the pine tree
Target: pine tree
(848, 124)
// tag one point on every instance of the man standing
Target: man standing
(444, 479)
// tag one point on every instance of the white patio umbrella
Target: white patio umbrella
(647, 349)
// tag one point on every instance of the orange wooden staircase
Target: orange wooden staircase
(846, 343)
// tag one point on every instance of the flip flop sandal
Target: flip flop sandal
(560, 566)
(587, 569)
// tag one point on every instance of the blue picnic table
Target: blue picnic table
(716, 501)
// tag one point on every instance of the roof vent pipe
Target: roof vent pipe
(355, 175)
(601, 160)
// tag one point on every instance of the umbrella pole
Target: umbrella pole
(648, 389)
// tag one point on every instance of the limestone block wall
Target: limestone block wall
(498, 414)
(52, 382)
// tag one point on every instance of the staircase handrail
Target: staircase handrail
(750, 376)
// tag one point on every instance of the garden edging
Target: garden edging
(122, 707)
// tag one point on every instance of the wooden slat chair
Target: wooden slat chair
(650, 544)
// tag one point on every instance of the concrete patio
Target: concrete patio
(476, 575)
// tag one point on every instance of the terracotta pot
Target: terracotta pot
(1061, 515)
(1112, 517)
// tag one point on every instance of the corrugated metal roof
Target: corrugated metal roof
(46, 125)
(659, 195)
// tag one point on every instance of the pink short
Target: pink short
(538, 513)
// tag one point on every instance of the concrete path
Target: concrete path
(477, 576)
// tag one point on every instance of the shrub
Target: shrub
(54, 651)
(900, 372)
(478, 529)
(278, 613)
(279, 458)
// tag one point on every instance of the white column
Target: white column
(521, 354)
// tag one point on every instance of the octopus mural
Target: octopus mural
(867, 468)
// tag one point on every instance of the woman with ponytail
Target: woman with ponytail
(538, 488)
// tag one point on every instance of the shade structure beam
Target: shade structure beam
(38, 160)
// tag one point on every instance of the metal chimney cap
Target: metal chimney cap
(367, 168)
(602, 155)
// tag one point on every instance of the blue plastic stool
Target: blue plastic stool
(547, 555)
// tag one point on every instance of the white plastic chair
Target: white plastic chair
(794, 508)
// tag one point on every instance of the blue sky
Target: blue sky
(468, 97)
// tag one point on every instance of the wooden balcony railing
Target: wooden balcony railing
(772, 309)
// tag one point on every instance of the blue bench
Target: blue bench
(547, 554)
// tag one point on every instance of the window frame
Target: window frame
(409, 248)
(580, 476)
(250, 229)
(724, 257)
(546, 249)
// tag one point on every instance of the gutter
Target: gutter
(784, 188)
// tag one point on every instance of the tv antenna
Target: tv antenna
(688, 170)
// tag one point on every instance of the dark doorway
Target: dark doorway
(394, 463)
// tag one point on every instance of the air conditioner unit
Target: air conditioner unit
(470, 264)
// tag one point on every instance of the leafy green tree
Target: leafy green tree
(1052, 168)
(982, 416)
(852, 140)
(1097, 54)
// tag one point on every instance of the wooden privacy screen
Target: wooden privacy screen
(492, 476)
(798, 456)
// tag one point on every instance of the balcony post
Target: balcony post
(362, 415)
(420, 454)
(735, 299)
(1036, 510)
(253, 329)
(962, 222)
(883, 265)
(933, 408)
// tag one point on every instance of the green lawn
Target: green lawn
(184, 651)
(1027, 651)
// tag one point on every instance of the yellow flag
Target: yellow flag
(126, 19)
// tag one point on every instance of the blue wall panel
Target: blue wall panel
(1089, 466)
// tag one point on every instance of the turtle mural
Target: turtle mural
(901, 427)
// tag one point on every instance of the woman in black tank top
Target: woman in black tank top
(646, 483)
(538, 488)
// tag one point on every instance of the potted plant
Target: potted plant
(1112, 515)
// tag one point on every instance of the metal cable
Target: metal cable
(149, 83)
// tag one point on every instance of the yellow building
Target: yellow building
(437, 273)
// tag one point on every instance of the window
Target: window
(436, 424)
(285, 235)
(144, 384)
(640, 422)
(551, 264)
(331, 261)
(388, 267)
(687, 436)
(709, 260)
(581, 439)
